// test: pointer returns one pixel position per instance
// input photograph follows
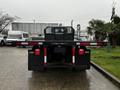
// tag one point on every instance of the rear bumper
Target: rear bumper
(39, 67)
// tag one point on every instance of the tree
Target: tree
(115, 31)
(5, 20)
(100, 29)
(97, 27)
(116, 19)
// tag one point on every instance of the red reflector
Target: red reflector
(81, 51)
(37, 52)
(45, 51)
(45, 55)
(73, 51)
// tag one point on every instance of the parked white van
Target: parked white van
(16, 36)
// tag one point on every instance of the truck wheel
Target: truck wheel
(74, 69)
(40, 70)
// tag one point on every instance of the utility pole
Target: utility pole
(71, 23)
(113, 11)
(78, 30)
(111, 21)
(34, 26)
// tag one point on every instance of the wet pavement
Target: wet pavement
(15, 76)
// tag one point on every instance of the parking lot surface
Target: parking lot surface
(14, 75)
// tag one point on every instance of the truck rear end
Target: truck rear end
(59, 49)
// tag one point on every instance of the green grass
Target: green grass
(110, 61)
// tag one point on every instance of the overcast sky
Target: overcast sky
(81, 11)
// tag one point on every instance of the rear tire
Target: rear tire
(40, 70)
(74, 69)
(36, 69)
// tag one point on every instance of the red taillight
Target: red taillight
(81, 51)
(37, 52)
(73, 51)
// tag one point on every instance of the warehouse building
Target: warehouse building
(31, 28)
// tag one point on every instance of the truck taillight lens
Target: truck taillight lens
(81, 51)
(37, 52)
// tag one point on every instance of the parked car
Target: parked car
(2, 40)
(14, 36)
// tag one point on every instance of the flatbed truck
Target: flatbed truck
(59, 49)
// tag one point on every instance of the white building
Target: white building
(32, 28)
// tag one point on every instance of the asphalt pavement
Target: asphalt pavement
(14, 75)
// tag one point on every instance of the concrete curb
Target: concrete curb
(107, 74)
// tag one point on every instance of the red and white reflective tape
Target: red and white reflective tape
(91, 43)
(32, 43)
(45, 55)
(73, 55)
(40, 43)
